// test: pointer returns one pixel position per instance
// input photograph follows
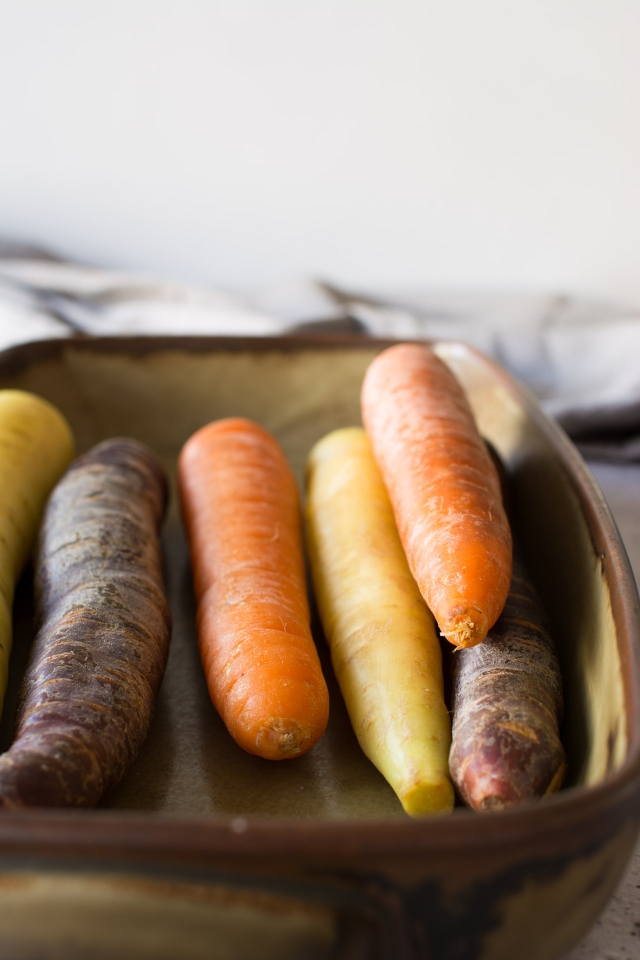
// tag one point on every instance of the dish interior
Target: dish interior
(190, 765)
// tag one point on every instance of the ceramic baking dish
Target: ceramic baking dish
(206, 852)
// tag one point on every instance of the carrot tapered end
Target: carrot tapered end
(429, 798)
(465, 628)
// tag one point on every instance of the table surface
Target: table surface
(616, 934)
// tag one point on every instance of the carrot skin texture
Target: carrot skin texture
(443, 487)
(507, 707)
(99, 655)
(382, 637)
(242, 514)
(36, 446)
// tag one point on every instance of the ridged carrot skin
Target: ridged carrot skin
(384, 647)
(36, 445)
(507, 707)
(443, 487)
(242, 514)
(98, 658)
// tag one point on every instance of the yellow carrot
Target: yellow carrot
(383, 641)
(36, 445)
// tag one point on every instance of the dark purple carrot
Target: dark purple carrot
(507, 706)
(102, 645)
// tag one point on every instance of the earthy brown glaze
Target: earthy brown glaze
(507, 706)
(199, 832)
(100, 653)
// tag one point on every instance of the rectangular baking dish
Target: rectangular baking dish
(205, 851)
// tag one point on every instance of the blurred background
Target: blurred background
(379, 143)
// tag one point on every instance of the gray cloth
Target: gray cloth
(581, 358)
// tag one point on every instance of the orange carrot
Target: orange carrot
(443, 487)
(242, 513)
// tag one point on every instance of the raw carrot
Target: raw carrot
(100, 653)
(242, 514)
(443, 487)
(507, 706)
(384, 647)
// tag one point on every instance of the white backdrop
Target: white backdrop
(467, 143)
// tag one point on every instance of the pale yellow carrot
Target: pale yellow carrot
(36, 445)
(383, 641)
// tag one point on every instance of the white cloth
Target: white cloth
(581, 358)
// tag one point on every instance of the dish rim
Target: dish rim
(152, 832)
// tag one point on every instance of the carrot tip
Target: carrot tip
(466, 631)
(429, 798)
(492, 803)
(280, 739)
